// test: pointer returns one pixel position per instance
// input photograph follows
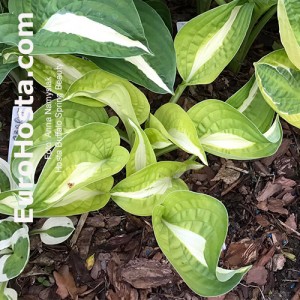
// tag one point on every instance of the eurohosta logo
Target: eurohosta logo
(25, 130)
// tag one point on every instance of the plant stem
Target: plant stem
(123, 135)
(221, 2)
(34, 232)
(166, 150)
(192, 157)
(180, 89)
(16, 75)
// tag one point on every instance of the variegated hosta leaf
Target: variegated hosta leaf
(225, 132)
(174, 123)
(156, 72)
(141, 154)
(207, 43)
(157, 140)
(88, 88)
(99, 28)
(190, 229)
(7, 293)
(55, 230)
(249, 101)
(46, 133)
(14, 249)
(8, 202)
(6, 180)
(289, 20)
(46, 68)
(279, 83)
(141, 192)
(87, 155)
(89, 198)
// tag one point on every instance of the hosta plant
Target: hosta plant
(15, 247)
(107, 129)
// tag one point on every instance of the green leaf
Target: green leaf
(6, 180)
(55, 230)
(142, 191)
(7, 293)
(97, 28)
(225, 132)
(157, 140)
(69, 68)
(279, 83)
(163, 10)
(142, 153)
(95, 82)
(14, 243)
(8, 202)
(18, 7)
(289, 20)
(207, 43)
(5, 69)
(190, 228)
(174, 123)
(89, 198)
(9, 33)
(87, 155)
(155, 72)
(51, 122)
(249, 101)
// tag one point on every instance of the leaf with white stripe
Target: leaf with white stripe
(14, 246)
(226, 132)
(155, 72)
(190, 229)
(141, 154)
(89, 198)
(88, 91)
(46, 68)
(279, 83)
(44, 137)
(98, 28)
(88, 154)
(207, 43)
(7, 293)
(249, 101)
(55, 230)
(8, 202)
(289, 20)
(142, 191)
(175, 124)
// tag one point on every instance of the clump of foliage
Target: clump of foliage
(103, 45)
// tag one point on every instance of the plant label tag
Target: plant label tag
(15, 123)
(179, 25)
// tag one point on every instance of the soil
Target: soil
(114, 255)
